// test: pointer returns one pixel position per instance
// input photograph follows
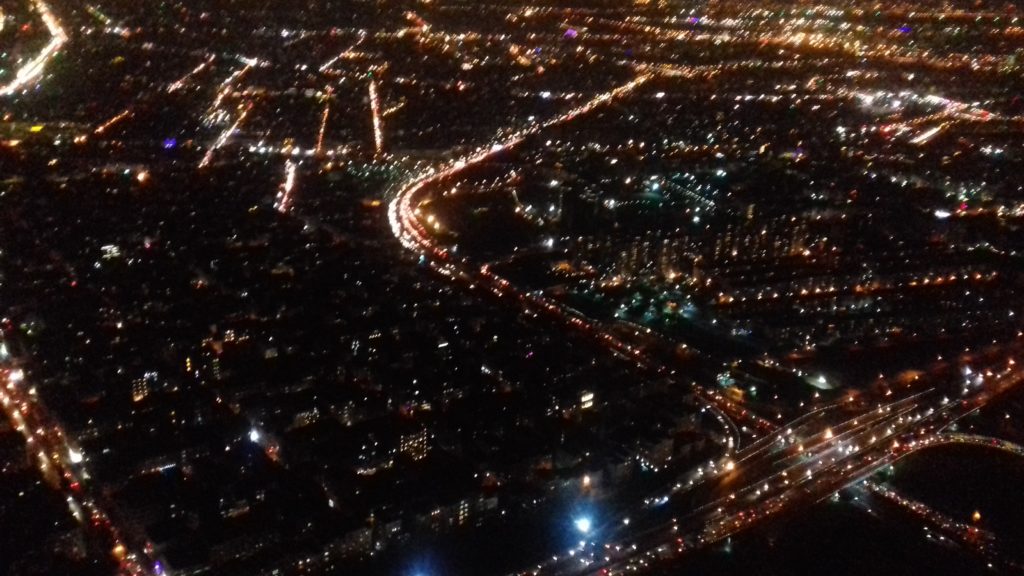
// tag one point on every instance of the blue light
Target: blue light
(583, 525)
(423, 567)
(170, 143)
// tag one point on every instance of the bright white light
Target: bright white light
(33, 69)
(375, 114)
(17, 375)
(583, 525)
(75, 456)
(284, 194)
(927, 135)
(254, 435)
(942, 214)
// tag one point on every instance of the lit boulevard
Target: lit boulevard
(283, 200)
(225, 136)
(378, 124)
(63, 467)
(33, 70)
(340, 274)
(787, 467)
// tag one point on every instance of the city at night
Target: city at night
(511, 288)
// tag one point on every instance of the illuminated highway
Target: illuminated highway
(785, 468)
(32, 70)
(378, 124)
(184, 80)
(283, 200)
(803, 65)
(62, 465)
(968, 534)
(322, 131)
(806, 463)
(407, 227)
(225, 136)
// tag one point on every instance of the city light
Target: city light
(224, 137)
(377, 121)
(183, 81)
(323, 125)
(651, 275)
(33, 69)
(283, 200)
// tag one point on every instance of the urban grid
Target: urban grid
(511, 287)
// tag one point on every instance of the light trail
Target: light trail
(323, 124)
(326, 65)
(34, 68)
(224, 137)
(283, 200)
(843, 454)
(181, 82)
(951, 111)
(812, 44)
(927, 135)
(110, 123)
(225, 89)
(378, 124)
(61, 465)
(986, 441)
(177, 85)
(981, 541)
(392, 110)
(405, 224)
(411, 233)
(869, 442)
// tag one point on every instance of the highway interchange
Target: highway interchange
(784, 468)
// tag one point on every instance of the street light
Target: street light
(583, 525)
